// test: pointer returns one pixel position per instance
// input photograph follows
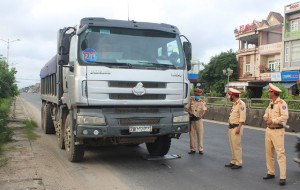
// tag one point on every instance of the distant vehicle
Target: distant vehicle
(297, 159)
(116, 82)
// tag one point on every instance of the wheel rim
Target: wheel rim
(68, 138)
(58, 131)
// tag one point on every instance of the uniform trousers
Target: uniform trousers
(196, 129)
(235, 141)
(274, 141)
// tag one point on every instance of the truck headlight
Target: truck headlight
(88, 120)
(181, 119)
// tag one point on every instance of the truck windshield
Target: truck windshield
(130, 48)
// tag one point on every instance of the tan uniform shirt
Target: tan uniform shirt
(238, 112)
(279, 114)
(197, 108)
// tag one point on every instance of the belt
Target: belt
(231, 126)
(278, 127)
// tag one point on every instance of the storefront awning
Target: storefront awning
(286, 85)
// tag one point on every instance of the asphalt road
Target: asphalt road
(204, 172)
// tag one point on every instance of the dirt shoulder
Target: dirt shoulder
(20, 172)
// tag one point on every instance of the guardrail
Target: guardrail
(219, 110)
(257, 103)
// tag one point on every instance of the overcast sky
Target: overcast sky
(209, 24)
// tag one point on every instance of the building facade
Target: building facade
(259, 53)
(291, 46)
(269, 51)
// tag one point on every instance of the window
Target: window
(274, 65)
(295, 52)
(286, 54)
(271, 65)
(247, 67)
(277, 64)
(293, 25)
(142, 49)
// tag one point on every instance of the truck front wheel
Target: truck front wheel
(160, 147)
(75, 152)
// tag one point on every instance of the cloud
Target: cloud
(209, 25)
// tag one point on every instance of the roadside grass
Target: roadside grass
(3, 161)
(30, 125)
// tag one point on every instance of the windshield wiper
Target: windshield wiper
(159, 64)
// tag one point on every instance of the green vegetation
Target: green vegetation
(8, 89)
(5, 133)
(3, 161)
(30, 125)
(284, 94)
(212, 74)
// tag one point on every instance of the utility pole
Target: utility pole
(8, 43)
(228, 72)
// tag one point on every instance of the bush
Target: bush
(214, 94)
(283, 95)
(5, 133)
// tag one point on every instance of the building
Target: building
(291, 50)
(269, 51)
(259, 54)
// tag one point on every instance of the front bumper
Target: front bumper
(86, 131)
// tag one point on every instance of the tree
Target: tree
(212, 75)
(8, 86)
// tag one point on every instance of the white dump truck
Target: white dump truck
(116, 82)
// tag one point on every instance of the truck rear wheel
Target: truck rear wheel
(160, 147)
(47, 123)
(75, 152)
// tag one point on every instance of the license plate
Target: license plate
(134, 129)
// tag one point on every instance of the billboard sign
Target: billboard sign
(289, 75)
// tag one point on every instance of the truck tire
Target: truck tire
(42, 115)
(160, 147)
(47, 123)
(60, 132)
(75, 153)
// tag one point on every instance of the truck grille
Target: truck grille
(136, 110)
(142, 121)
(122, 84)
(134, 97)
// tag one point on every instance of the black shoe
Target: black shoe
(236, 167)
(269, 176)
(229, 165)
(192, 152)
(201, 152)
(282, 182)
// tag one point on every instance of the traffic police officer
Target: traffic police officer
(196, 108)
(235, 131)
(276, 116)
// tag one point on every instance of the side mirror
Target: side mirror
(187, 48)
(63, 47)
(82, 29)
